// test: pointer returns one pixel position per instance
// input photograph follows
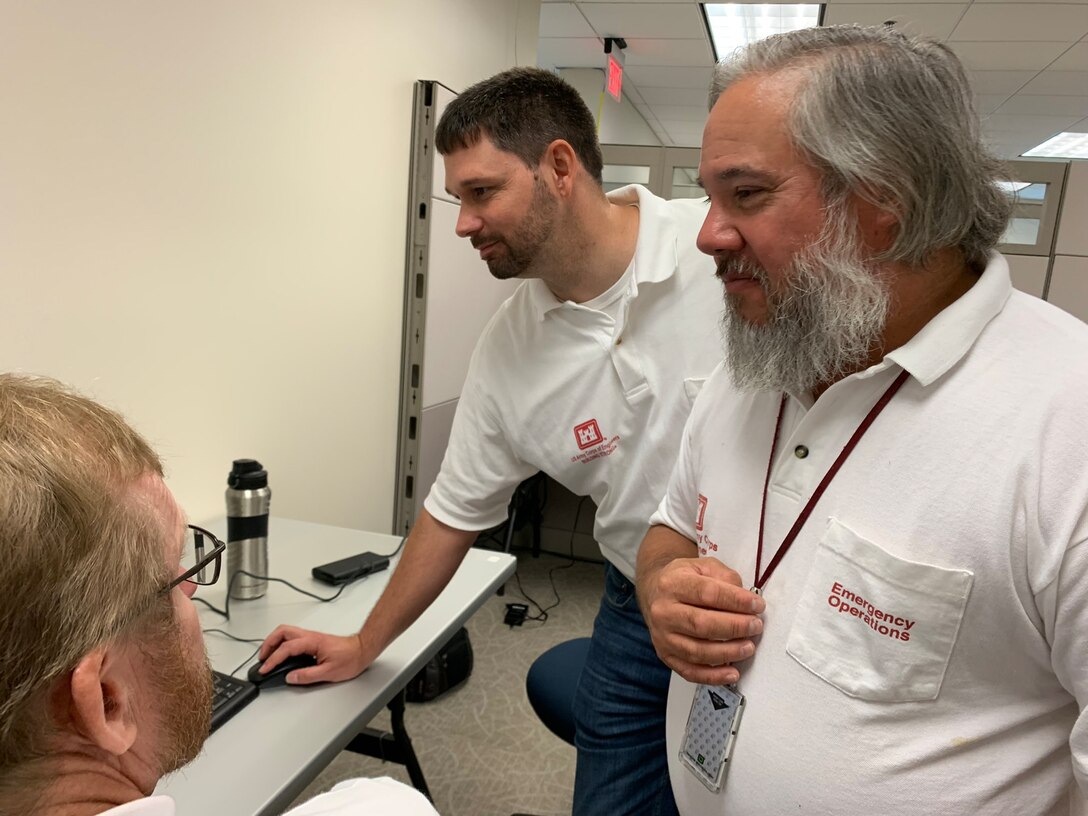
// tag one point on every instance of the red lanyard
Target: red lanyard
(874, 412)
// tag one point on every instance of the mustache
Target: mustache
(479, 241)
(740, 267)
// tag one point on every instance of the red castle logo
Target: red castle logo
(587, 434)
(702, 512)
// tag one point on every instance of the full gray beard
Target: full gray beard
(821, 326)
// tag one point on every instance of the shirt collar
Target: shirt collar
(656, 253)
(947, 338)
(148, 806)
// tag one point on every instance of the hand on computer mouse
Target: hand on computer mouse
(338, 657)
(277, 675)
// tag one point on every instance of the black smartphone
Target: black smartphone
(349, 569)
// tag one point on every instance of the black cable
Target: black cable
(214, 609)
(225, 611)
(542, 616)
(243, 663)
(240, 640)
(225, 633)
(400, 547)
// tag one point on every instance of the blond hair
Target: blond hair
(80, 558)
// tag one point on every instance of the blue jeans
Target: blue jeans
(619, 714)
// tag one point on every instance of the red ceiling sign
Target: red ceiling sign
(615, 77)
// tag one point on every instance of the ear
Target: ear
(561, 165)
(102, 700)
(878, 225)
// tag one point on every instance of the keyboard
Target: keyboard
(229, 696)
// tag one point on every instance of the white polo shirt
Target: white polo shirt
(924, 645)
(595, 401)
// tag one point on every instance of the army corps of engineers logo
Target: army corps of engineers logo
(592, 442)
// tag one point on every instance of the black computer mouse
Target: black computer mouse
(278, 675)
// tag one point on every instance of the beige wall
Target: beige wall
(202, 222)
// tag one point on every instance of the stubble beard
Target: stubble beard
(822, 324)
(524, 245)
(182, 683)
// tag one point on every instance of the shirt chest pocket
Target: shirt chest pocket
(876, 626)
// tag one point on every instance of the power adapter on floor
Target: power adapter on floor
(515, 614)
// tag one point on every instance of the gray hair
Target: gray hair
(891, 119)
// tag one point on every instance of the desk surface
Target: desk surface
(260, 760)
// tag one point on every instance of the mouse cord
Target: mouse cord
(224, 633)
(242, 665)
(225, 611)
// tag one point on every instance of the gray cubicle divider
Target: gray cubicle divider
(449, 296)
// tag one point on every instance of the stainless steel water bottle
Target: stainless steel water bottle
(248, 499)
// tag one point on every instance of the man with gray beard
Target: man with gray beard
(820, 328)
(891, 462)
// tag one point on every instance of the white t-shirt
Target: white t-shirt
(924, 640)
(353, 797)
(595, 398)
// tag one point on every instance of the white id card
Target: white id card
(711, 730)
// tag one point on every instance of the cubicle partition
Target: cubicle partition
(449, 295)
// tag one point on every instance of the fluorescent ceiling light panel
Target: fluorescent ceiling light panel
(733, 25)
(1012, 186)
(1062, 146)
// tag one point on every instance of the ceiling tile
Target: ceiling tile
(1058, 83)
(1029, 2)
(668, 52)
(1007, 56)
(999, 82)
(988, 103)
(563, 20)
(1075, 59)
(684, 134)
(649, 20)
(679, 96)
(1023, 22)
(564, 52)
(681, 113)
(1010, 149)
(838, 3)
(646, 76)
(633, 94)
(931, 19)
(1009, 123)
(1046, 105)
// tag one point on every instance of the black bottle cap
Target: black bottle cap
(247, 474)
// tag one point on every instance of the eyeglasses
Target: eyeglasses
(201, 558)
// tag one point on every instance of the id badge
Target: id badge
(710, 733)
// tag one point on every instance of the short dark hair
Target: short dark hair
(522, 111)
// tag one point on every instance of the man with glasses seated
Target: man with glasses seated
(104, 682)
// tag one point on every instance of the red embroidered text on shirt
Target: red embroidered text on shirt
(849, 603)
(606, 448)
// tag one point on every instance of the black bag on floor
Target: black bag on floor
(446, 670)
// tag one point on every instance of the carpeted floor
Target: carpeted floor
(482, 749)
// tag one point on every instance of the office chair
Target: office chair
(551, 683)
